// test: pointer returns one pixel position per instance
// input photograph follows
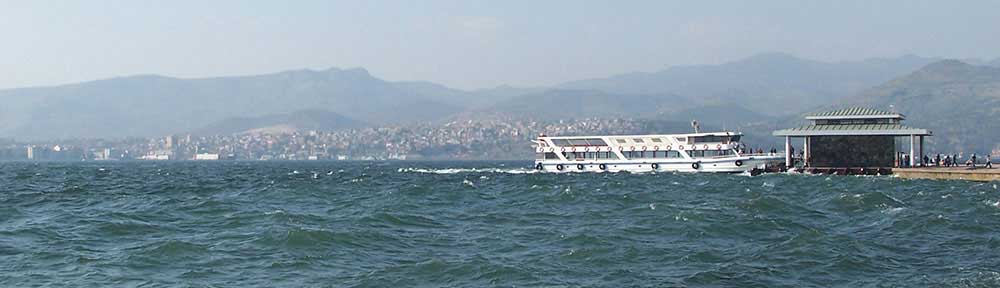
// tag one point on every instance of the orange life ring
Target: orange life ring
(643, 148)
(705, 147)
(632, 148)
(563, 149)
(718, 146)
(669, 147)
(680, 147)
(574, 149)
(552, 149)
(656, 148)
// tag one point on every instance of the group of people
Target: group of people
(743, 149)
(940, 160)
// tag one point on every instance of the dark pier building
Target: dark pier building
(854, 138)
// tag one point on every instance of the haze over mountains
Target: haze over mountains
(759, 91)
(959, 102)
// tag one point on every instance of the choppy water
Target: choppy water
(238, 224)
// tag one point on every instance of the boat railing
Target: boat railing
(762, 154)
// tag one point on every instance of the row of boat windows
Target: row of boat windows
(579, 142)
(629, 155)
(641, 141)
(688, 140)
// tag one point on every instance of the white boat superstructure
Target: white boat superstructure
(696, 152)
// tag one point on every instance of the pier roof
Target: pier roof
(855, 113)
(853, 130)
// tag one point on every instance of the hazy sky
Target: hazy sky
(467, 44)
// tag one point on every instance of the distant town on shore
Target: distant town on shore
(348, 114)
(471, 140)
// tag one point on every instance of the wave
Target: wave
(468, 170)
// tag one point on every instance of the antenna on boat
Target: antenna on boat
(694, 124)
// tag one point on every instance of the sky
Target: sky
(466, 44)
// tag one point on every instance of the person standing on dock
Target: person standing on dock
(989, 162)
(973, 160)
(954, 160)
(926, 161)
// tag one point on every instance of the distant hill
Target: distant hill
(995, 63)
(729, 116)
(772, 84)
(959, 102)
(563, 104)
(304, 120)
(156, 105)
(733, 94)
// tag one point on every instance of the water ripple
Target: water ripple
(464, 224)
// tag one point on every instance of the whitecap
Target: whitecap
(993, 203)
(468, 170)
(894, 210)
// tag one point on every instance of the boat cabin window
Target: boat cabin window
(632, 155)
(579, 142)
(580, 156)
(607, 155)
(546, 156)
(708, 153)
(656, 140)
(573, 155)
(637, 140)
(681, 139)
(621, 141)
(597, 142)
(711, 139)
(560, 142)
(718, 153)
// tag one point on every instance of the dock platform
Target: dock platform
(949, 173)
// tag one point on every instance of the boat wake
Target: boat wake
(468, 170)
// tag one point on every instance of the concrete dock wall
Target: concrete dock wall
(955, 173)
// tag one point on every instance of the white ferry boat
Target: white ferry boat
(696, 152)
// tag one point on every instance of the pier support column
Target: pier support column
(920, 149)
(805, 151)
(788, 152)
(913, 144)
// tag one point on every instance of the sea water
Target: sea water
(484, 224)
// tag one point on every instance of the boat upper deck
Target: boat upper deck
(713, 138)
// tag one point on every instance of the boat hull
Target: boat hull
(718, 165)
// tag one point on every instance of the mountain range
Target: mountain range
(303, 120)
(761, 92)
(959, 102)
